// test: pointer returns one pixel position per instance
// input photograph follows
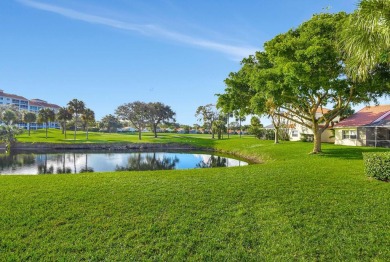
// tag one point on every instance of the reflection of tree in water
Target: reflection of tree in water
(213, 161)
(14, 161)
(64, 169)
(149, 162)
(43, 168)
(86, 168)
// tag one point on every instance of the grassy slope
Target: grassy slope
(55, 136)
(294, 206)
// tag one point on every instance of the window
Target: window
(294, 133)
(15, 101)
(349, 134)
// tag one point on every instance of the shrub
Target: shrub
(377, 165)
(307, 137)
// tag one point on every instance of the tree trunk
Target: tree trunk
(65, 132)
(228, 127)
(75, 128)
(139, 133)
(46, 129)
(317, 139)
(240, 128)
(87, 132)
(28, 126)
(276, 135)
(155, 131)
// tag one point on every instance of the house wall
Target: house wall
(359, 141)
(298, 129)
(327, 136)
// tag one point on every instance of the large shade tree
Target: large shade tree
(110, 122)
(301, 72)
(237, 94)
(207, 114)
(46, 115)
(76, 107)
(159, 113)
(137, 113)
(64, 115)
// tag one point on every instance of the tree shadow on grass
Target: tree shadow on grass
(350, 153)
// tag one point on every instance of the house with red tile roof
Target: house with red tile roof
(368, 127)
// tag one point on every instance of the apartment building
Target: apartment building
(33, 105)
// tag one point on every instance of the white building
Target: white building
(33, 105)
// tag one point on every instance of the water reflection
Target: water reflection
(13, 161)
(213, 161)
(80, 162)
(142, 161)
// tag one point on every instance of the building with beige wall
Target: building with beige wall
(368, 127)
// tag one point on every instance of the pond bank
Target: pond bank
(39, 147)
(107, 146)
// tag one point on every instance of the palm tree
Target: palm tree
(29, 117)
(88, 117)
(64, 115)
(7, 135)
(76, 107)
(46, 115)
(9, 116)
(366, 38)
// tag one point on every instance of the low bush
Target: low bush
(377, 165)
(307, 137)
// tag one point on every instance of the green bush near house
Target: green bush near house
(377, 165)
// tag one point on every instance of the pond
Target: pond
(81, 162)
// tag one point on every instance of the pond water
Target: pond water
(80, 162)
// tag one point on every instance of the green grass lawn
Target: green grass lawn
(294, 206)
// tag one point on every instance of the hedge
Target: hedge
(377, 165)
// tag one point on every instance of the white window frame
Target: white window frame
(349, 134)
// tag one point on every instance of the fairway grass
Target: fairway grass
(294, 206)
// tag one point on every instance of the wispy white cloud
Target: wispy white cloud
(151, 30)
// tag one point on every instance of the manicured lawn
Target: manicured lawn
(294, 206)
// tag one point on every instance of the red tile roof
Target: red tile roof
(370, 115)
(41, 103)
(13, 96)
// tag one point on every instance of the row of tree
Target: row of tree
(140, 115)
(74, 110)
(331, 60)
(11, 115)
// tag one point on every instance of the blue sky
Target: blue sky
(107, 53)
